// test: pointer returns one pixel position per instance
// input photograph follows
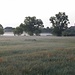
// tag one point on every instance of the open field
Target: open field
(38, 55)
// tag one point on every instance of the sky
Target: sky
(13, 12)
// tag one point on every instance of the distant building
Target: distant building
(8, 29)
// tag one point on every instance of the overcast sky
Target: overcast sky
(13, 12)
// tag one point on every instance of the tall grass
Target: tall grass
(37, 55)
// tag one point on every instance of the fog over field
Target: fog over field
(25, 34)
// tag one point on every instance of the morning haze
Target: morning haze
(37, 37)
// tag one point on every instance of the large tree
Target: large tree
(59, 23)
(32, 25)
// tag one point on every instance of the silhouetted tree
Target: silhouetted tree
(18, 31)
(32, 25)
(22, 26)
(59, 22)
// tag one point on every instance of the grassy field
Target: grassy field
(38, 55)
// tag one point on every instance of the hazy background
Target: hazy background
(13, 12)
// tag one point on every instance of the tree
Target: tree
(18, 31)
(22, 26)
(69, 32)
(32, 25)
(1, 30)
(46, 30)
(59, 23)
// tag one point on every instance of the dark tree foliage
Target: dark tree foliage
(47, 30)
(1, 30)
(22, 26)
(69, 32)
(59, 23)
(18, 31)
(32, 25)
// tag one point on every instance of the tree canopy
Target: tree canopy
(32, 25)
(18, 31)
(69, 31)
(59, 23)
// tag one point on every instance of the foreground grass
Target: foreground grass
(37, 55)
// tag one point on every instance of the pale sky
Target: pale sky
(13, 12)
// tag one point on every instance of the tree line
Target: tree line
(34, 26)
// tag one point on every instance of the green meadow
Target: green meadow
(37, 55)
